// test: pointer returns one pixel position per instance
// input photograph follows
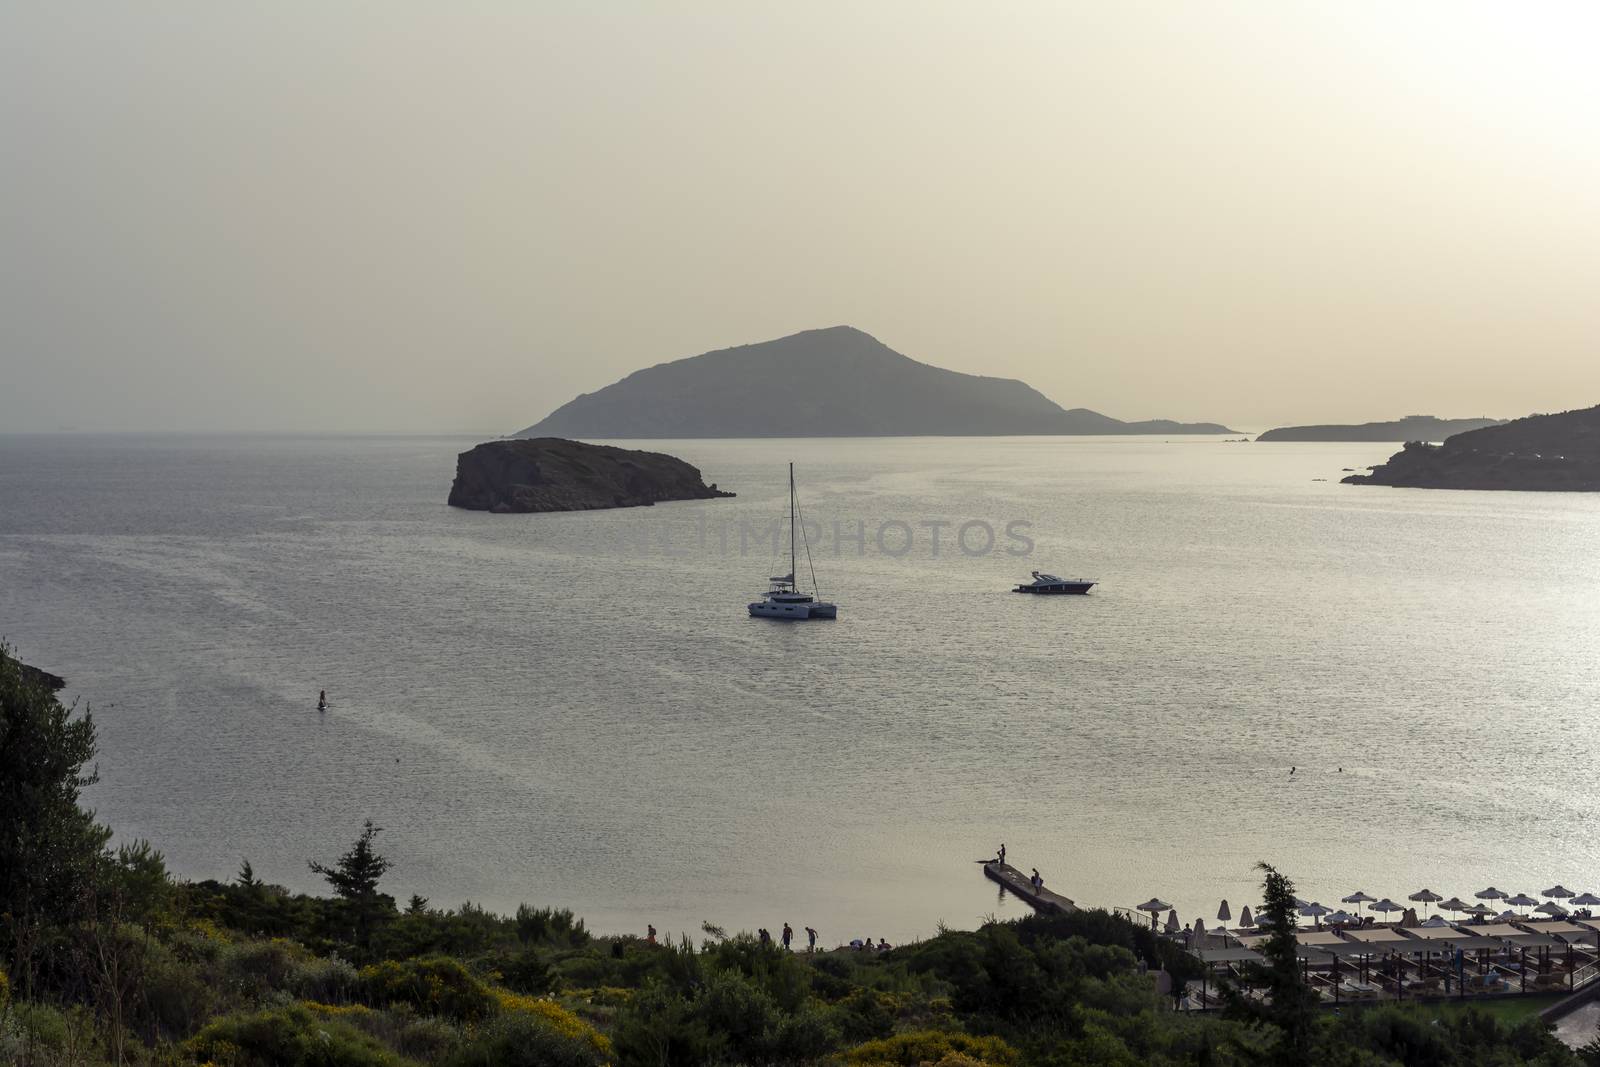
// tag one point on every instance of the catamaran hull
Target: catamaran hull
(769, 610)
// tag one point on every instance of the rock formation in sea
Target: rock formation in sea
(1410, 428)
(553, 474)
(1541, 452)
(838, 382)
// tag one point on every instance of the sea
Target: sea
(1370, 688)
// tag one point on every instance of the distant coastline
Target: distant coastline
(1410, 428)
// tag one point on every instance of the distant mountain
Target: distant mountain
(1410, 428)
(837, 382)
(1541, 452)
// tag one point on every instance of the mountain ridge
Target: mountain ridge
(833, 382)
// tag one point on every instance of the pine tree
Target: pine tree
(355, 879)
(1291, 1005)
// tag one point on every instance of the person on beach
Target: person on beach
(788, 936)
(883, 946)
(766, 938)
(811, 939)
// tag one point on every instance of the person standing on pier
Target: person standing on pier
(788, 936)
(1037, 881)
(1002, 853)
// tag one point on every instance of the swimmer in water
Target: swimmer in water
(322, 700)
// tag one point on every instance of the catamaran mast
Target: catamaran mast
(791, 526)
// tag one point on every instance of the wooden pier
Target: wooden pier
(1014, 881)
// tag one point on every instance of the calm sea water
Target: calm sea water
(575, 709)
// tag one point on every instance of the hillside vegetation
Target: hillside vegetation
(109, 959)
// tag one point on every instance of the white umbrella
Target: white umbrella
(1490, 894)
(1153, 906)
(1521, 900)
(1585, 900)
(1357, 898)
(1223, 913)
(1172, 921)
(1386, 905)
(1314, 911)
(1436, 922)
(1479, 909)
(1558, 891)
(1424, 896)
(1507, 915)
(1341, 917)
(1551, 908)
(1453, 905)
(1244, 917)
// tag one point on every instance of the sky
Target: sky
(453, 217)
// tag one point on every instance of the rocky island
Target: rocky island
(1410, 428)
(834, 382)
(1552, 453)
(554, 474)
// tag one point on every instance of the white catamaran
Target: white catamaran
(785, 600)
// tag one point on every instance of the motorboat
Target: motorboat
(1050, 584)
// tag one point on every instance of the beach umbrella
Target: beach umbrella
(1551, 908)
(1244, 917)
(1154, 905)
(1435, 923)
(1340, 917)
(1424, 896)
(1507, 915)
(1490, 894)
(1172, 921)
(1521, 900)
(1386, 906)
(1357, 898)
(1479, 909)
(1453, 905)
(1314, 911)
(1223, 914)
(1585, 900)
(1558, 891)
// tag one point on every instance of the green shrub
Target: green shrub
(862, 1016)
(254, 968)
(525, 1040)
(434, 985)
(289, 1036)
(658, 1026)
(428, 1040)
(931, 1046)
(328, 979)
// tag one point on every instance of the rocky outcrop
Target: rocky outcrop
(34, 676)
(1410, 428)
(554, 474)
(1551, 453)
(837, 382)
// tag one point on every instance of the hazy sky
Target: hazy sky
(455, 216)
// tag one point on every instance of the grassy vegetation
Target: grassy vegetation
(105, 958)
